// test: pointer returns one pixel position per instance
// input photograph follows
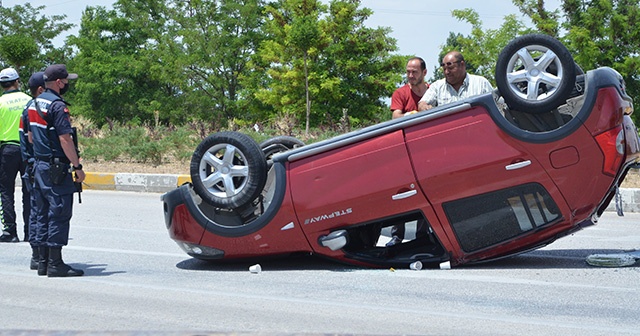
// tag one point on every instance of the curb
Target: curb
(134, 182)
(161, 183)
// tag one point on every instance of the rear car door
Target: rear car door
(361, 182)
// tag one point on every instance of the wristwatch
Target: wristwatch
(78, 167)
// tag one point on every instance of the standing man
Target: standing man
(56, 161)
(12, 103)
(456, 85)
(405, 99)
(36, 86)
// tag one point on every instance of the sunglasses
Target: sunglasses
(449, 65)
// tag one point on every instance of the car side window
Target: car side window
(484, 220)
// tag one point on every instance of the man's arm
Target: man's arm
(397, 114)
(70, 152)
(422, 105)
(428, 100)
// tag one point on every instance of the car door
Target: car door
(485, 187)
(361, 182)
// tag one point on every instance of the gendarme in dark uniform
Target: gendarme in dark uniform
(57, 163)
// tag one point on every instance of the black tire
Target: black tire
(279, 144)
(535, 73)
(228, 170)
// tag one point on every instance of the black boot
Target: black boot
(57, 267)
(9, 234)
(43, 259)
(35, 257)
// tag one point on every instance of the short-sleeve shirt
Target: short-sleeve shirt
(440, 92)
(405, 99)
(45, 137)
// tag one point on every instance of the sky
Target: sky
(419, 26)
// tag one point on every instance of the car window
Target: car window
(491, 218)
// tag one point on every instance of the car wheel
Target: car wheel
(228, 170)
(535, 73)
(278, 144)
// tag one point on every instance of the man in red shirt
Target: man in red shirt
(405, 99)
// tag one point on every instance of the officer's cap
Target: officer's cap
(36, 80)
(8, 75)
(57, 71)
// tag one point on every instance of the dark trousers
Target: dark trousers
(11, 164)
(53, 207)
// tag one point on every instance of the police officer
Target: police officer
(12, 103)
(36, 86)
(56, 161)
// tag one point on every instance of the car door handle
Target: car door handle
(404, 195)
(518, 165)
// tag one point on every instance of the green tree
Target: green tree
(293, 42)
(351, 68)
(482, 46)
(26, 38)
(174, 61)
(361, 67)
(117, 65)
(213, 44)
(598, 33)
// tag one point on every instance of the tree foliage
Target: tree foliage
(284, 62)
(351, 66)
(598, 33)
(482, 46)
(26, 38)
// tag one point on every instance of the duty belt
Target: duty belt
(10, 142)
(53, 159)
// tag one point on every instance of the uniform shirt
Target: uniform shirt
(405, 99)
(45, 141)
(11, 105)
(440, 92)
(26, 148)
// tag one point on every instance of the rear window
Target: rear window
(487, 219)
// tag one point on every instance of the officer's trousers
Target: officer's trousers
(11, 164)
(53, 207)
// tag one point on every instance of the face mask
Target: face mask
(64, 89)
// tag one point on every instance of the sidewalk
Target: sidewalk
(161, 183)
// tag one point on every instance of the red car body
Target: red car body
(481, 180)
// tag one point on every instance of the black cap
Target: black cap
(57, 71)
(36, 80)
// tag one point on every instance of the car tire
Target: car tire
(279, 144)
(535, 73)
(228, 170)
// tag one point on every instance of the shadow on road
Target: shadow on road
(545, 259)
(539, 259)
(296, 263)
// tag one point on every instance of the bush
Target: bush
(169, 144)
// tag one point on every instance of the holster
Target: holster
(58, 171)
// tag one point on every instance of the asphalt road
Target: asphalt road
(139, 282)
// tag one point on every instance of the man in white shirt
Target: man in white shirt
(457, 84)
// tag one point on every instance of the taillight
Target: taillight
(611, 143)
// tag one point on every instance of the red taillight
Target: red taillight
(611, 143)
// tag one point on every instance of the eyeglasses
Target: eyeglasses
(449, 65)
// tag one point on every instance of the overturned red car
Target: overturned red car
(480, 179)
